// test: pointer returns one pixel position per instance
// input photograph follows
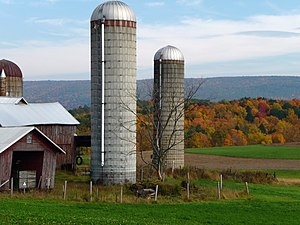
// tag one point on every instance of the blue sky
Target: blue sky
(49, 39)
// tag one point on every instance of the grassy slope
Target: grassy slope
(251, 151)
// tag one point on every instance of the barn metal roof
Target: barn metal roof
(12, 100)
(169, 53)
(15, 115)
(10, 136)
(113, 10)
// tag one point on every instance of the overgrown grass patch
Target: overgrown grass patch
(251, 151)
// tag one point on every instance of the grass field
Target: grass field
(251, 151)
(288, 174)
(15, 211)
(266, 204)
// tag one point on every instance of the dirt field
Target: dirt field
(221, 162)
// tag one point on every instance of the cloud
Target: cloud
(210, 47)
(37, 58)
(155, 4)
(189, 2)
(5, 44)
(57, 21)
(221, 41)
(273, 6)
(52, 22)
(269, 33)
(44, 2)
(62, 27)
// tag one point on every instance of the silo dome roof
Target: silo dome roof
(10, 69)
(113, 10)
(169, 53)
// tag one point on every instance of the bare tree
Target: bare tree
(162, 129)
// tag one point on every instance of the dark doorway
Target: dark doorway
(27, 161)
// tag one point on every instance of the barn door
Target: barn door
(27, 163)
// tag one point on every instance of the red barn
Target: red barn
(29, 156)
(50, 118)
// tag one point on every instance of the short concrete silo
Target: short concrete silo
(113, 87)
(11, 79)
(168, 94)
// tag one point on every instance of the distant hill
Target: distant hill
(73, 94)
(70, 94)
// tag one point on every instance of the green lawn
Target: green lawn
(267, 204)
(15, 211)
(271, 192)
(251, 151)
(288, 174)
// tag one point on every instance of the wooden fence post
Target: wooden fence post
(156, 192)
(65, 190)
(121, 198)
(221, 181)
(247, 188)
(91, 190)
(219, 191)
(11, 187)
(188, 186)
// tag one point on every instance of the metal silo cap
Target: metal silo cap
(169, 53)
(113, 10)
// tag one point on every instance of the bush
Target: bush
(164, 189)
(239, 176)
(256, 177)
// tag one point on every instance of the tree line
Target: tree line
(225, 123)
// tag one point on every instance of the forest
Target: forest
(247, 121)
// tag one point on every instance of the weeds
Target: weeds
(202, 187)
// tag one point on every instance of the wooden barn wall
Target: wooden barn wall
(5, 165)
(49, 165)
(63, 136)
(39, 143)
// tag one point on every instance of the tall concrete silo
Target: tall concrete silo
(113, 77)
(11, 79)
(168, 94)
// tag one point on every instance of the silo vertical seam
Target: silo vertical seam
(160, 82)
(159, 127)
(102, 92)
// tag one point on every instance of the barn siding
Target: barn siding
(5, 162)
(63, 136)
(39, 143)
(48, 169)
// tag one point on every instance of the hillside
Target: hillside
(71, 94)
(77, 93)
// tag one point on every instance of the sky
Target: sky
(50, 39)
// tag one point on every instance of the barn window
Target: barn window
(29, 139)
